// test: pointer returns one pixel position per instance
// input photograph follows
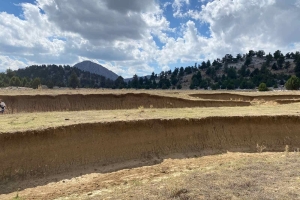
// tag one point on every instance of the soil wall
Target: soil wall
(76, 102)
(238, 97)
(56, 150)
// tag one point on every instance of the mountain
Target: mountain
(53, 75)
(96, 69)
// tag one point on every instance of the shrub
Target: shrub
(293, 83)
(262, 87)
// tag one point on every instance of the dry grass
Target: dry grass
(34, 121)
(228, 176)
(177, 93)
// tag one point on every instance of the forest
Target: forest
(247, 71)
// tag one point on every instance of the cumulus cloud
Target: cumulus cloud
(10, 63)
(256, 24)
(124, 35)
(114, 31)
(107, 20)
(177, 7)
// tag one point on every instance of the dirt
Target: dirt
(224, 176)
(249, 97)
(79, 159)
(80, 102)
(42, 153)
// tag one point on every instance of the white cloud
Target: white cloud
(110, 30)
(256, 24)
(236, 26)
(122, 34)
(10, 63)
(177, 7)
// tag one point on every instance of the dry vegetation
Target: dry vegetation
(35, 121)
(261, 175)
(176, 93)
(227, 176)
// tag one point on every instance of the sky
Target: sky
(142, 36)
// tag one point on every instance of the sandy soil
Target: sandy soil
(226, 176)
(184, 175)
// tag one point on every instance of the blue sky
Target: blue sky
(141, 36)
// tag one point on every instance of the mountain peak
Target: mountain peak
(95, 68)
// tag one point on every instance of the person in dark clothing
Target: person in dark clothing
(2, 106)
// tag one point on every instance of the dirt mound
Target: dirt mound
(78, 102)
(42, 153)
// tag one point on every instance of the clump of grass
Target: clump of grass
(179, 193)
(151, 106)
(141, 108)
(286, 150)
(260, 148)
(17, 197)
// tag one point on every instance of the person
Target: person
(2, 106)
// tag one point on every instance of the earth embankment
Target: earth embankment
(79, 102)
(51, 151)
(239, 97)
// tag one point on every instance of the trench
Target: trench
(281, 99)
(42, 153)
(81, 102)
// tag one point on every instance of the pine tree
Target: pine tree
(74, 81)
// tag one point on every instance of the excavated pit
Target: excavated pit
(51, 151)
(80, 102)
(281, 99)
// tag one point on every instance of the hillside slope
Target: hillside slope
(96, 69)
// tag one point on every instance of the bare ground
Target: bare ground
(226, 176)
(182, 176)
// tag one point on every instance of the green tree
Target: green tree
(251, 53)
(231, 73)
(203, 65)
(277, 54)
(119, 82)
(262, 87)
(15, 81)
(293, 83)
(248, 61)
(181, 72)
(297, 68)
(10, 73)
(208, 64)
(280, 61)
(35, 83)
(135, 82)
(74, 81)
(260, 53)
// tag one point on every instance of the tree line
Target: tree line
(219, 74)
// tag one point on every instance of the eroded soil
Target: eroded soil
(152, 152)
(225, 176)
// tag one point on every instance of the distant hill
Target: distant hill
(53, 75)
(96, 69)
